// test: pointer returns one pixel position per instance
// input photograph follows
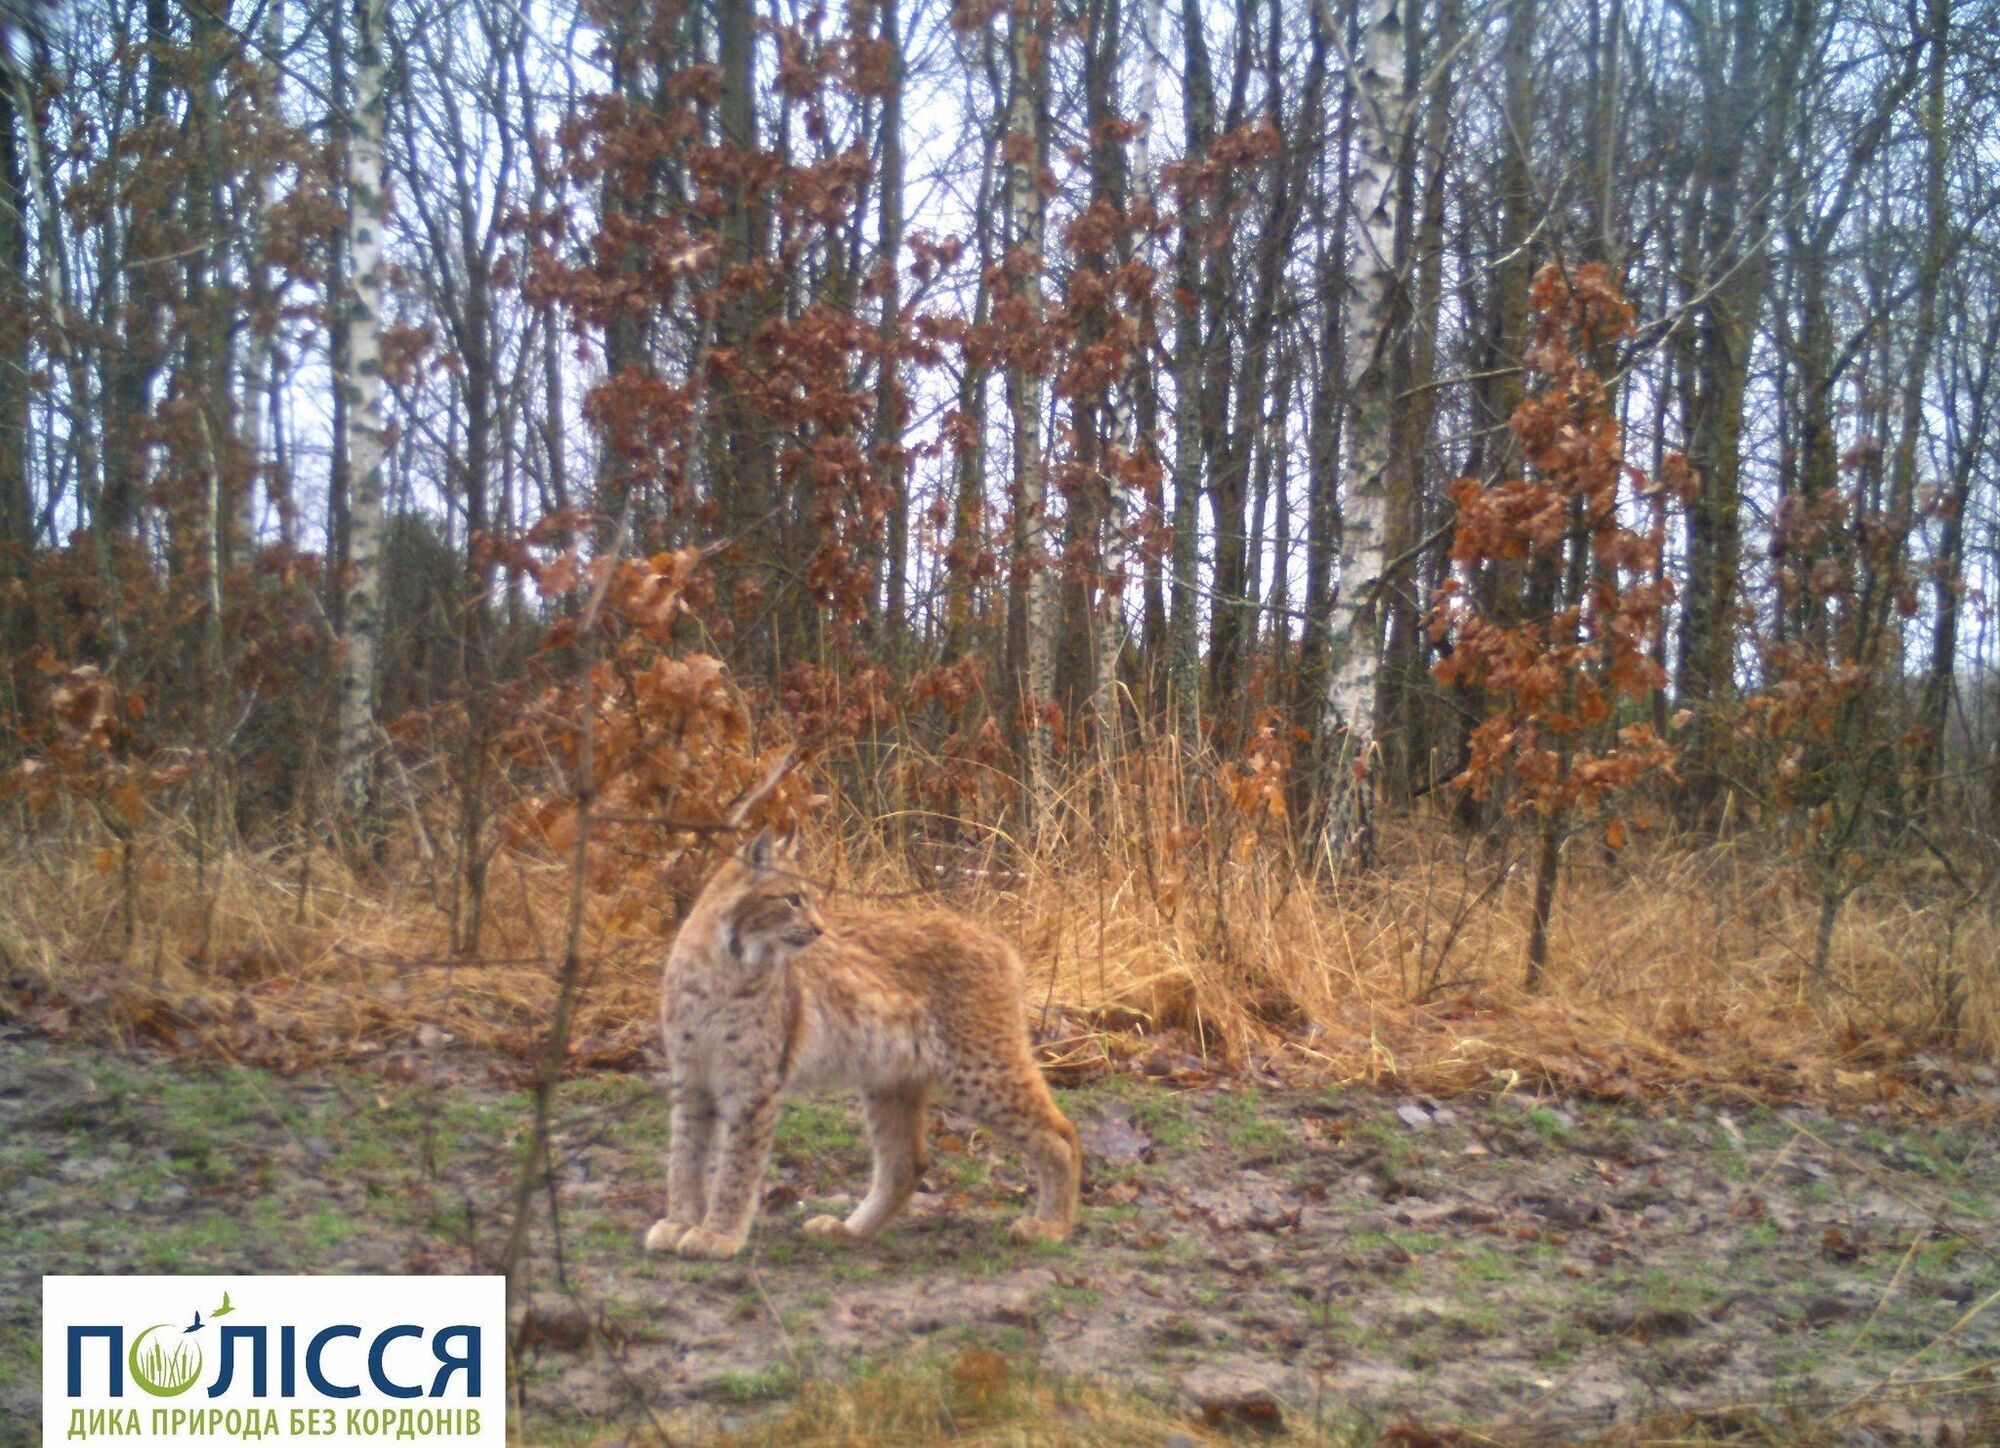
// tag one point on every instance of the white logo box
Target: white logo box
(318, 1360)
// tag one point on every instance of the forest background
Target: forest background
(1420, 540)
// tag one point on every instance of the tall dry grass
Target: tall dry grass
(1674, 964)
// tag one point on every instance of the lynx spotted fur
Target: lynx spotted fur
(764, 996)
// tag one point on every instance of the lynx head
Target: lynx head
(768, 911)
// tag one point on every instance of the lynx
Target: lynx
(764, 996)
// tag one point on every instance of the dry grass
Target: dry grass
(976, 1399)
(1672, 967)
(980, 1399)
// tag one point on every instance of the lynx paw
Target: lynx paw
(828, 1229)
(702, 1243)
(665, 1235)
(1034, 1229)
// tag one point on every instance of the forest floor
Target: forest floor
(1321, 1265)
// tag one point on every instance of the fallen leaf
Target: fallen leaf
(564, 1329)
(1119, 1193)
(1113, 1139)
(1412, 1434)
(1836, 1244)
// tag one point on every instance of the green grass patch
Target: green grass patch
(768, 1386)
(814, 1129)
(1550, 1127)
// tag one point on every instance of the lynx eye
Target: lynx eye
(795, 899)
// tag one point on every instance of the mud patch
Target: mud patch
(1323, 1262)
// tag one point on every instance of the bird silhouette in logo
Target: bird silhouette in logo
(225, 1309)
(194, 1326)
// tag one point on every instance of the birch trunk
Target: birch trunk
(969, 484)
(1355, 625)
(1025, 390)
(258, 363)
(1323, 424)
(1089, 633)
(261, 363)
(131, 375)
(366, 433)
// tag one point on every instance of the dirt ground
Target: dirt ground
(1342, 1266)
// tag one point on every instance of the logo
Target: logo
(325, 1360)
(159, 1372)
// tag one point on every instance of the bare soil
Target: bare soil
(1336, 1265)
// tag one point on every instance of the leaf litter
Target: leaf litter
(1248, 1258)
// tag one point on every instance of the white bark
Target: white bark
(258, 364)
(1355, 625)
(1025, 390)
(366, 432)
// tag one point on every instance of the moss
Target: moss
(1550, 1127)
(1261, 1135)
(757, 1387)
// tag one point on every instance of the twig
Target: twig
(739, 813)
(615, 1351)
(1886, 1183)
(446, 962)
(556, 1046)
(784, 1333)
(1891, 1380)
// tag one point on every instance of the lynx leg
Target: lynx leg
(736, 1160)
(693, 1128)
(897, 1123)
(1050, 1144)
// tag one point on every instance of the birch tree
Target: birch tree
(259, 374)
(1355, 627)
(366, 431)
(1023, 149)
